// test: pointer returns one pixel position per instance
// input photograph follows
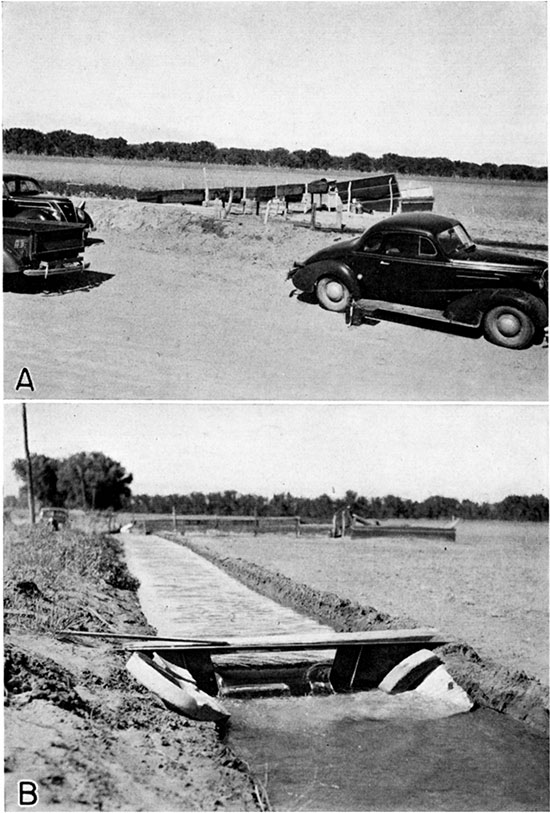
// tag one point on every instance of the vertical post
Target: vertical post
(206, 193)
(229, 204)
(268, 207)
(391, 198)
(339, 214)
(174, 524)
(313, 212)
(30, 486)
(349, 197)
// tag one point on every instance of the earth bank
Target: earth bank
(75, 722)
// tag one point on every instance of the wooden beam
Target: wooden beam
(289, 642)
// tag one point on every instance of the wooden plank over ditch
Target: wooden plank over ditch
(289, 642)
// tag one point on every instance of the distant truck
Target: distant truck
(43, 248)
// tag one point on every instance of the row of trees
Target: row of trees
(231, 503)
(95, 481)
(23, 140)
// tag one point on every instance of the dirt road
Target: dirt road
(179, 307)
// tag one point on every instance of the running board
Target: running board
(370, 307)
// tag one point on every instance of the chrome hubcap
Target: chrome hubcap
(509, 324)
(334, 291)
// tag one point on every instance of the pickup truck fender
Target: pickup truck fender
(305, 277)
(470, 309)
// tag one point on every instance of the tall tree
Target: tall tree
(44, 478)
(93, 480)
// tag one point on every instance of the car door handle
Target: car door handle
(384, 262)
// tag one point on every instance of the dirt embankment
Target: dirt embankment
(80, 727)
(488, 683)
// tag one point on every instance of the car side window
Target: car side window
(401, 244)
(427, 248)
(373, 244)
(10, 185)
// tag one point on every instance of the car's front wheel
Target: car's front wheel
(333, 294)
(509, 326)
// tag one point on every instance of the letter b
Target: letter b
(28, 793)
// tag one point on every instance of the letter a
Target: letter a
(24, 381)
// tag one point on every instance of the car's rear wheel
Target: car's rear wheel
(333, 294)
(509, 326)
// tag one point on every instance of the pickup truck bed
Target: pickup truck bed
(42, 248)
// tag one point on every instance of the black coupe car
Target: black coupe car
(23, 198)
(426, 265)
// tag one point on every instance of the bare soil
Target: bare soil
(178, 305)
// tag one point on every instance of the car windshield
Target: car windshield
(27, 186)
(455, 240)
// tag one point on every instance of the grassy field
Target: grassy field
(519, 204)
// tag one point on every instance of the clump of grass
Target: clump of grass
(211, 226)
(52, 577)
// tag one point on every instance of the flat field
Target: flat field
(178, 305)
(488, 589)
(518, 210)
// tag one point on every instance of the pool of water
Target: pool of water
(363, 752)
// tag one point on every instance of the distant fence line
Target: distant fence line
(233, 524)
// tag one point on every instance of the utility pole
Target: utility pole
(30, 487)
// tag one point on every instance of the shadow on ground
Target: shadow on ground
(401, 319)
(56, 286)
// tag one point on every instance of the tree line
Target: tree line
(321, 509)
(93, 481)
(23, 140)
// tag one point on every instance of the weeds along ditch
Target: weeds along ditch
(54, 572)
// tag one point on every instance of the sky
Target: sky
(470, 451)
(462, 80)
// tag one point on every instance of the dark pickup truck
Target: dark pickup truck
(43, 249)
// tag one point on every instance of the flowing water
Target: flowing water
(364, 751)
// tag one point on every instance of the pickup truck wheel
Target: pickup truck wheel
(508, 326)
(333, 294)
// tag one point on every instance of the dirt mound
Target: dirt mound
(487, 683)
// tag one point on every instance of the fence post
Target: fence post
(339, 214)
(229, 204)
(313, 209)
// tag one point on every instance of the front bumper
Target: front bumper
(52, 269)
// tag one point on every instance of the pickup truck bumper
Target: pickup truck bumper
(50, 269)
